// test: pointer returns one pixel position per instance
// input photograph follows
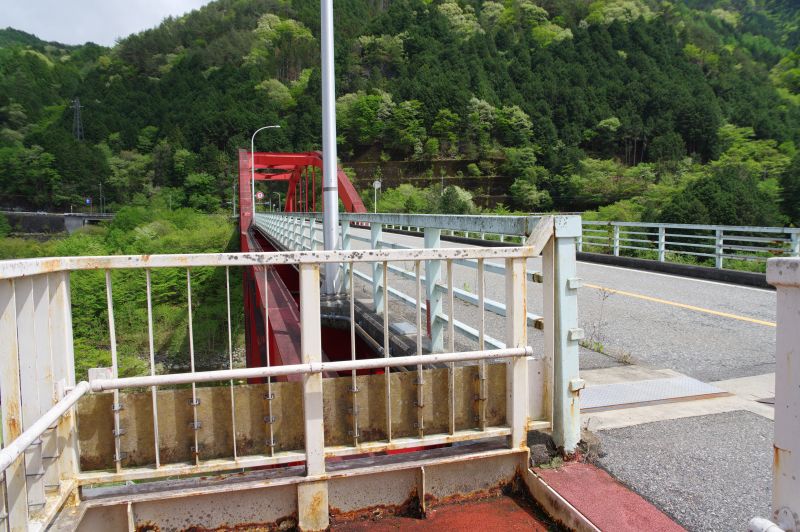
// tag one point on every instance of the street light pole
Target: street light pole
(253, 166)
(330, 185)
(279, 199)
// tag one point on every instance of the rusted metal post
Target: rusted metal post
(312, 497)
(566, 334)
(29, 392)
(45, 382)
(784, 274)
(13, 480)
(63, 369)
(516, 336)
(433, 275)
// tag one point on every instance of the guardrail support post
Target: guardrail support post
(312, 497)
(346, 245)
(433, 275)
(718, 248)
(14, 481)
(378, 292)
(662, 243)
(566, 334)
(795, 245)
(784, 274)
(616, 240)
(517, 368)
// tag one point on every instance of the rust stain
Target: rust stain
(408, 508)
(502, 488)
(288, 522)
(14, 427)
(315, 508)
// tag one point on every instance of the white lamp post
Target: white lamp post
(253, 166)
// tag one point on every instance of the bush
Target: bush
(5, 227)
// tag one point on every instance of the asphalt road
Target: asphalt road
(709, 473)
(708, 330)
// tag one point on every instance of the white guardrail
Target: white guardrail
(668, 242)
(135, 436)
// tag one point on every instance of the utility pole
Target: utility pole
(77, 123)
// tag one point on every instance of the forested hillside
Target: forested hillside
(684, 110)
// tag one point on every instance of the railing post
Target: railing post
(718, 248)
(662, 243)
(29, 390)
(433, 275)
(312, 236)
(346, 245)
(784, 274)
(566, 334)
(14, 481)
(64, 368)
(517, 368)
(312, 497)
(615, 242)
(376, 235)
(44, 380)
(795, 245)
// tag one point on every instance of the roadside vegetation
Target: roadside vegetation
(148, 229)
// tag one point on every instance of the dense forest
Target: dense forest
(679, 111)
(684, 111)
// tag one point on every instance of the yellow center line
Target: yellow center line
(681, 305)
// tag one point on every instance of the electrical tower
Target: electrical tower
(77, 123)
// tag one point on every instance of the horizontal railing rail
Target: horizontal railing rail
(99, 385)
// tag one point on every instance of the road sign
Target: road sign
(376, 184)
(259, 195)
(88, 201)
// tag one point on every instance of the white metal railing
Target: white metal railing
(667, 242)
(784, 275)
(41, 460)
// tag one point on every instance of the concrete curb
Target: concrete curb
(758, 280)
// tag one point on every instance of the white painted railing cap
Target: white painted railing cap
(783, 271)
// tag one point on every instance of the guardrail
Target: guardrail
(668, 242)
(60, 436)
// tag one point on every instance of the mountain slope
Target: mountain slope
(584, 103)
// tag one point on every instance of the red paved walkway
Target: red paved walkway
(607, 503)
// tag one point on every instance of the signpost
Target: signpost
(377, 186)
